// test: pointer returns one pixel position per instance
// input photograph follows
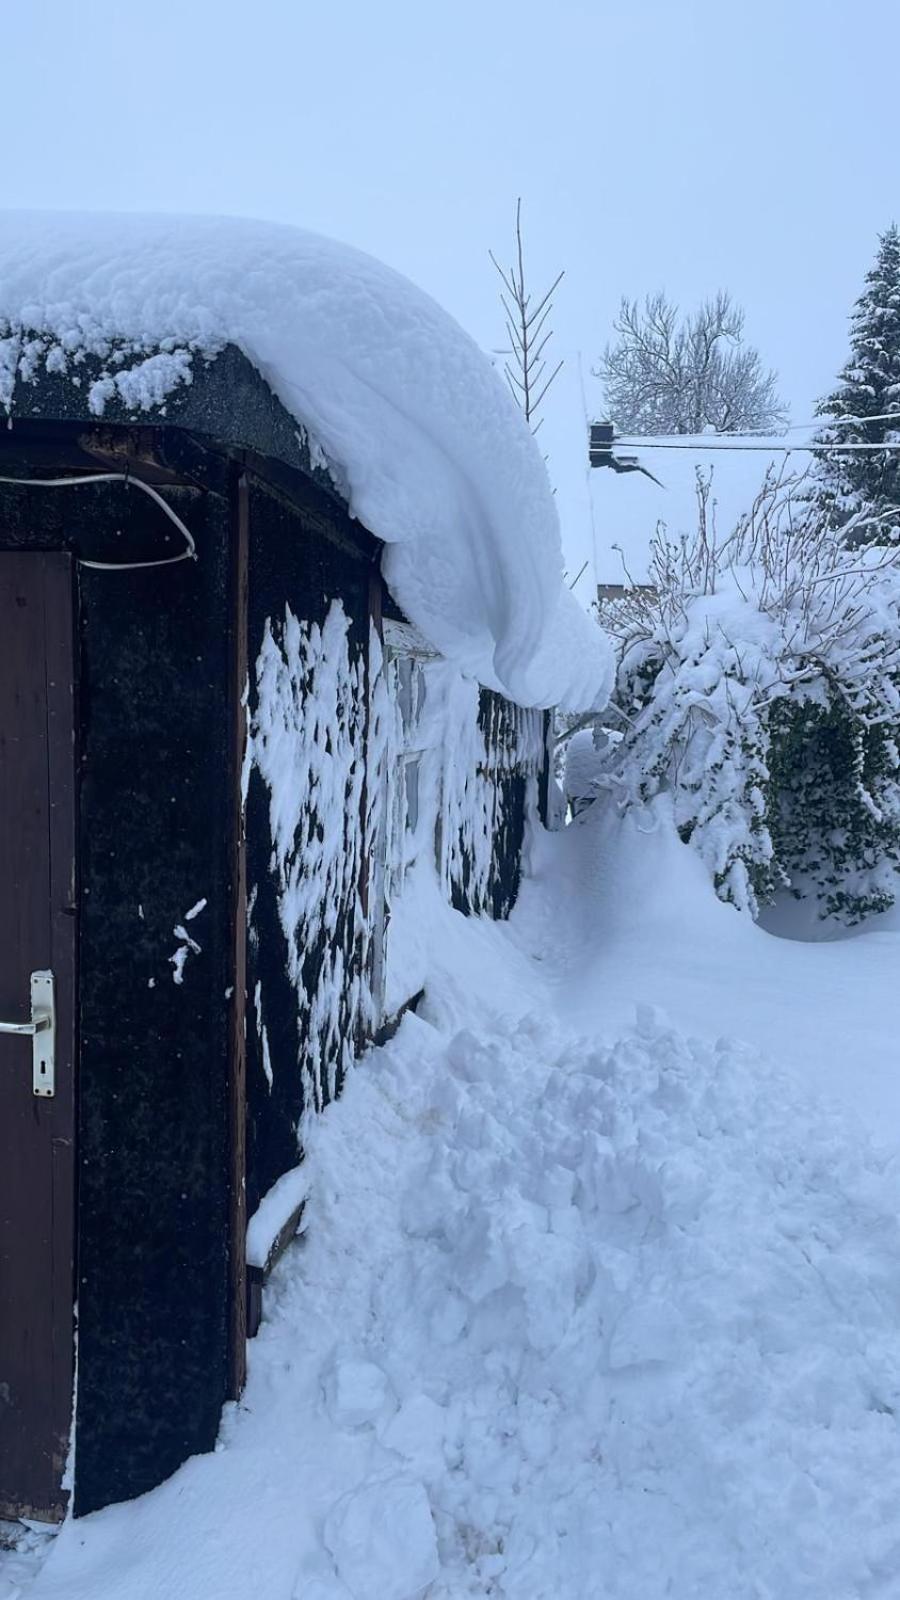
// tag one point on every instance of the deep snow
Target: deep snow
(652, 929)
(418, 428)
(590, 1305)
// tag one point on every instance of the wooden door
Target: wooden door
(37, 933)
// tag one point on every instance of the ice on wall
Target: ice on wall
(431, 449)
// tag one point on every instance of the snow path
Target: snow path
(572, 1320)
(648, 929)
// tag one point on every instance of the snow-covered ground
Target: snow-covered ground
(595, 1302)
(651, 929)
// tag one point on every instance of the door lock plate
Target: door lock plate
(43, 1044)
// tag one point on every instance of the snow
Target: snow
(758, 649)
(652, 928)
(418, 429)
(187, 946)
(584, 765)
(361, 1536)
(307, 722)
(595, 1301)
(274, 1212)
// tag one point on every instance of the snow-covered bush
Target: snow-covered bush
(759, 686)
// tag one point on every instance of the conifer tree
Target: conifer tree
(867, 484)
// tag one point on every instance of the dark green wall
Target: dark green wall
(304, 560)
(155, 818)
(153, 1134)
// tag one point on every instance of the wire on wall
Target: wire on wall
(189, 553)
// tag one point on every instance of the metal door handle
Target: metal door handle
(42, 1032)
(25, 1027)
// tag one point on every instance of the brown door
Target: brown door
(37, 935)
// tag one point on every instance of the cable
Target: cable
(795, 427)
(825, 421)
(188, 554)
(767, 449)
(674, 441)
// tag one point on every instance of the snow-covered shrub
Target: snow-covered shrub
(759, 686)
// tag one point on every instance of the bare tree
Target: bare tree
(668, 373)
(525, 367)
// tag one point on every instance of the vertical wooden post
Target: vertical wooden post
(545, 772)
(376, 622)
(372, 867)
(62, 732)
(237, 1055)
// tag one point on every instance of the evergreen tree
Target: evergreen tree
(867, 484)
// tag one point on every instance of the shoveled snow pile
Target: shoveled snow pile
(420, 431)
(573, 1318)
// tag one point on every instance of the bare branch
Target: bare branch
(526, 331)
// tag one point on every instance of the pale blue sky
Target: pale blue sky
(688, 146)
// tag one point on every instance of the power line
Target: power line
(766, 449)
(755, 441)
(824, 421)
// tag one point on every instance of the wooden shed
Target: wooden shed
(216, 736)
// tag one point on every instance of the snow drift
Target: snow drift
(417, 427)
(584, 1309)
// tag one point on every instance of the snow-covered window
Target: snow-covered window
(415, 677)
(414, 767)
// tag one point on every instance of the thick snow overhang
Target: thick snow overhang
(369, 386)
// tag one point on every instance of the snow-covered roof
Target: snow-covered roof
(419, 430)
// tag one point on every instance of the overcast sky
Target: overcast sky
(686, 145)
